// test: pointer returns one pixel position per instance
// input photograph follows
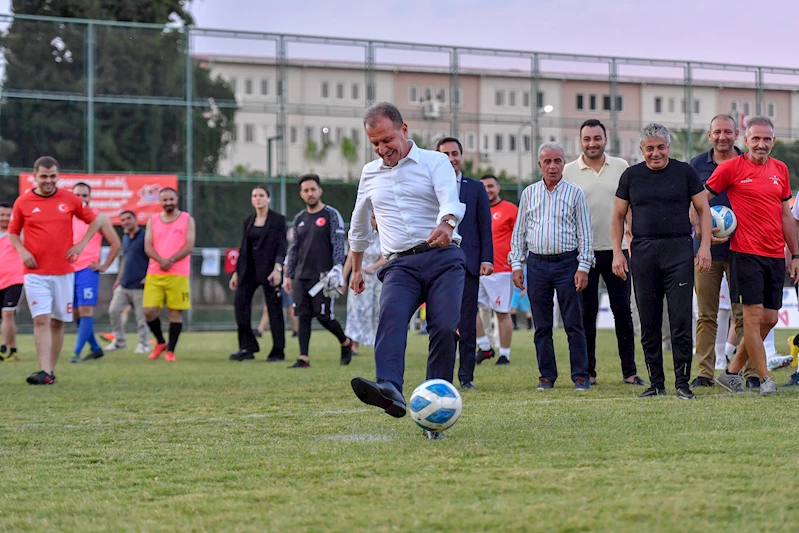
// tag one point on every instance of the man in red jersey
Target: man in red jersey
(11, 272)
(496, 290)
(45, 214)
(759, 189)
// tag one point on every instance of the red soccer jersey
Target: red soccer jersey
(47, 221)
(756, 194)
(503, 218)
(11, 267)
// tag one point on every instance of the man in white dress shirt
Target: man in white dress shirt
(414, 197)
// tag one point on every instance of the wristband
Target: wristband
(795, 256)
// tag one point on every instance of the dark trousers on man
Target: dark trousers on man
(664, 266)
(434, 277)
(619, 296)
(243, 306)
(306, 307)
(467, 345)
(547, 275)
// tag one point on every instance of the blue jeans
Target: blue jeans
(545, 276)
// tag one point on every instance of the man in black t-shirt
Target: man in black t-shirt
(659, 192)
(317, 250)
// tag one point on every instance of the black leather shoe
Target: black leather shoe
(346, 354)
(702, 381)
(652, 391)
(241, 355)
(685, 394)
(467, 385)
(637, 381)
(382, 394)
(753, 383)
(275, 357)
(433, 435)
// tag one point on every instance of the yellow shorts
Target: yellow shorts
(173, 289)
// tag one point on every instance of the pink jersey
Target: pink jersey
(92, 251)
(168, 239)
(11, 267)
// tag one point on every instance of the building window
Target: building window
(249, 133)
(354, 135)
(499, 98)
(325, 90)
(580, 102)
(526, 99)
(234, 133)
(672, 105)
(746, 108)
(498, 142)
(441, 95)
(232, 83)
(772, 110)
(539, 100)
(293, 135)
(340, 91)
(248, 86)
(471, 141)
(511, 143)
(485, 142)
(619, 104)
(734, 108)
(413, 94)
(526, 142)
(512, 98)
(325, 135)
(658, 104)
(308, 134)
(355, 91)
(264, 87)
(633, 147)
(428, 94)
(339, 135)
(457, 97)
(592, 102)
(567, 144)
(606, 103)
(696, 107)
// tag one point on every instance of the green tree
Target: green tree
(52, 57)
(418, 141)
(788, 153)
(679, 143)
(315, 153)
(349, 153)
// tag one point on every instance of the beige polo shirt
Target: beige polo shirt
(600, 191)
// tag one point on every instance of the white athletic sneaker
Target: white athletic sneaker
(779, 361)
(142, 348)
(115, 345)
(768, 386)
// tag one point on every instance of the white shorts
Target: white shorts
(496, 292)
(50, 295)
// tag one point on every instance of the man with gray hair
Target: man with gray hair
(414, 197)
(553, 236)
(659, 191)
(759, 188)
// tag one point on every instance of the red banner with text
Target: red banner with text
(114, 193)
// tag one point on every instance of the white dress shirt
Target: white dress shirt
(408, 201)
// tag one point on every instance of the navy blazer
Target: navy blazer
(475, 228)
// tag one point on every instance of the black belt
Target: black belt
(418, 249)
(555, 257)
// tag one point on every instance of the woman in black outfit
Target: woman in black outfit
(260, 264)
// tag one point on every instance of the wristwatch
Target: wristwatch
(451, 222)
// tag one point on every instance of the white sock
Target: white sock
(729, 350)
(504, 352)
(483, 343)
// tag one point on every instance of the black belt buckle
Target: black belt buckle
(418, 249)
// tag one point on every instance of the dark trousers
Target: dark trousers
(243, 307)
(547, 275)
(664, 267)
(467, 345)
(619, 296)
(306, 307)
(434, 277)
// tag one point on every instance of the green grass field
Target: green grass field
(205, 444)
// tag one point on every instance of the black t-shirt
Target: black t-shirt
(254, 234)
(660, 199)
(318, 244)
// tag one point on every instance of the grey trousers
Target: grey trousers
(121, 299)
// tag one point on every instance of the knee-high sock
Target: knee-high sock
(174, 333)
(155, 327)
(85, 332)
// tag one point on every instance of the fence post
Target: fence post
(90, 51)
(189, 148)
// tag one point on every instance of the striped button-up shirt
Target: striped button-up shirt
(552, 222)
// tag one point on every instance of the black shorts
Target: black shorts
(305, 304)
(756, 279)
(10, 297)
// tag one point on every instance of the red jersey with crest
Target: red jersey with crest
(47, 221)
(503, 218)
(756, 195)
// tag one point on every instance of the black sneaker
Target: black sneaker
(502, 360)
(794, 381)
(467, 385)
(241, 355)
(544, 384)
(274, 358)
(652, 391)
(301, 364)
(41, 378)
(346, 354)
(753, 383)
(685, 394)
(482, 355)
(293, 334)
(96, 354)
(702, 381)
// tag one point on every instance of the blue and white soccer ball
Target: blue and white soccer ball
(724, 219)
(436, 405)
